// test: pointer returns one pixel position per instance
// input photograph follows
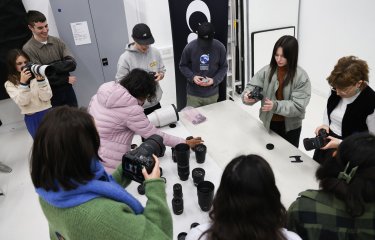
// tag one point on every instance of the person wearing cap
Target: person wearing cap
(139, 54)
(204, 64)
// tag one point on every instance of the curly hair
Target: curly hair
(140, 84)
(348, 71)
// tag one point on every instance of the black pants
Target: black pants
(149, 110)
(64, 96)
(291, 136)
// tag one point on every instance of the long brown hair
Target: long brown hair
(289, 44)
(13, 74)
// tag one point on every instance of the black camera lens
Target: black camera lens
(181, 236)
(141, 189)
(193, 225)
(205, 191)
(256, 93)
(177, 190)
(183, 172)
(182, 152)
(174, 155)
(316, 142)
(134, 160)
(178, 205)
(200, 152)
(198, 175)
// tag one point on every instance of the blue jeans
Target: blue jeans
(32, 121)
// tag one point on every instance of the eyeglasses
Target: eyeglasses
(345, 90)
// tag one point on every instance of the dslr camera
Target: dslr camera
(152, 74)
(36, 69)
(135, 160)
(256, 93)
(316, 142)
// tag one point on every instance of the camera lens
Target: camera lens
(181, 236)
(177, 190)
(198, 175)
(183, 172)
(141, 189)
(178, 205)
(193, 225)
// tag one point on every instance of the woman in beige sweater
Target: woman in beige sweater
(31, 94)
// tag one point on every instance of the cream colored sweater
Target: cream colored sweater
(30, 99)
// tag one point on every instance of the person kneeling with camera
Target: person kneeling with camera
(79, 199)
(118, 113)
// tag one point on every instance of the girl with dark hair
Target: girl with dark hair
(32, 95)
(286, 89)
(246, 206)
(344, 207)
(118, 113)
(350, 107)
(79, 199)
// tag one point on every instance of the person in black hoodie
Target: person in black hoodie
(350, 107)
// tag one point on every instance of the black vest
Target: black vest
(356, 113)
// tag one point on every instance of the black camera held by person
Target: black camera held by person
(316, 142)
(153, 74)
(135, 160)
(41, 70)
(256, 93)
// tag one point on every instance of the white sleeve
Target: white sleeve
(370, 121)
(325, 118)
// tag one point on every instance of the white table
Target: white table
(192, 212)
(229, 132)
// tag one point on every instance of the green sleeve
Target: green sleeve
(116, 221)
(120, 178)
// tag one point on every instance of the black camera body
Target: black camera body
(256, 93)
(133, 161)
(152, 74)
(36, 69)
(316, 142)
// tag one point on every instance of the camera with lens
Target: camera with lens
(256, 93)
(36, 69)
(135, 160)
(316, 142)
(153, 74)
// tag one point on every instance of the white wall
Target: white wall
(332, 29)
(268, 14)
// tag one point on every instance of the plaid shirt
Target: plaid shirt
(318, 215)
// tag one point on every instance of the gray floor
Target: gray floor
(20, 213)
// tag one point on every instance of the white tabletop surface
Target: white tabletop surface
(229, 132)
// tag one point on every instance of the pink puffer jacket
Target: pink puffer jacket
(118, 116)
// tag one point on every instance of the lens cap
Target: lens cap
(181, 236)
(270, 146)
(141, 189)
(193, 225)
